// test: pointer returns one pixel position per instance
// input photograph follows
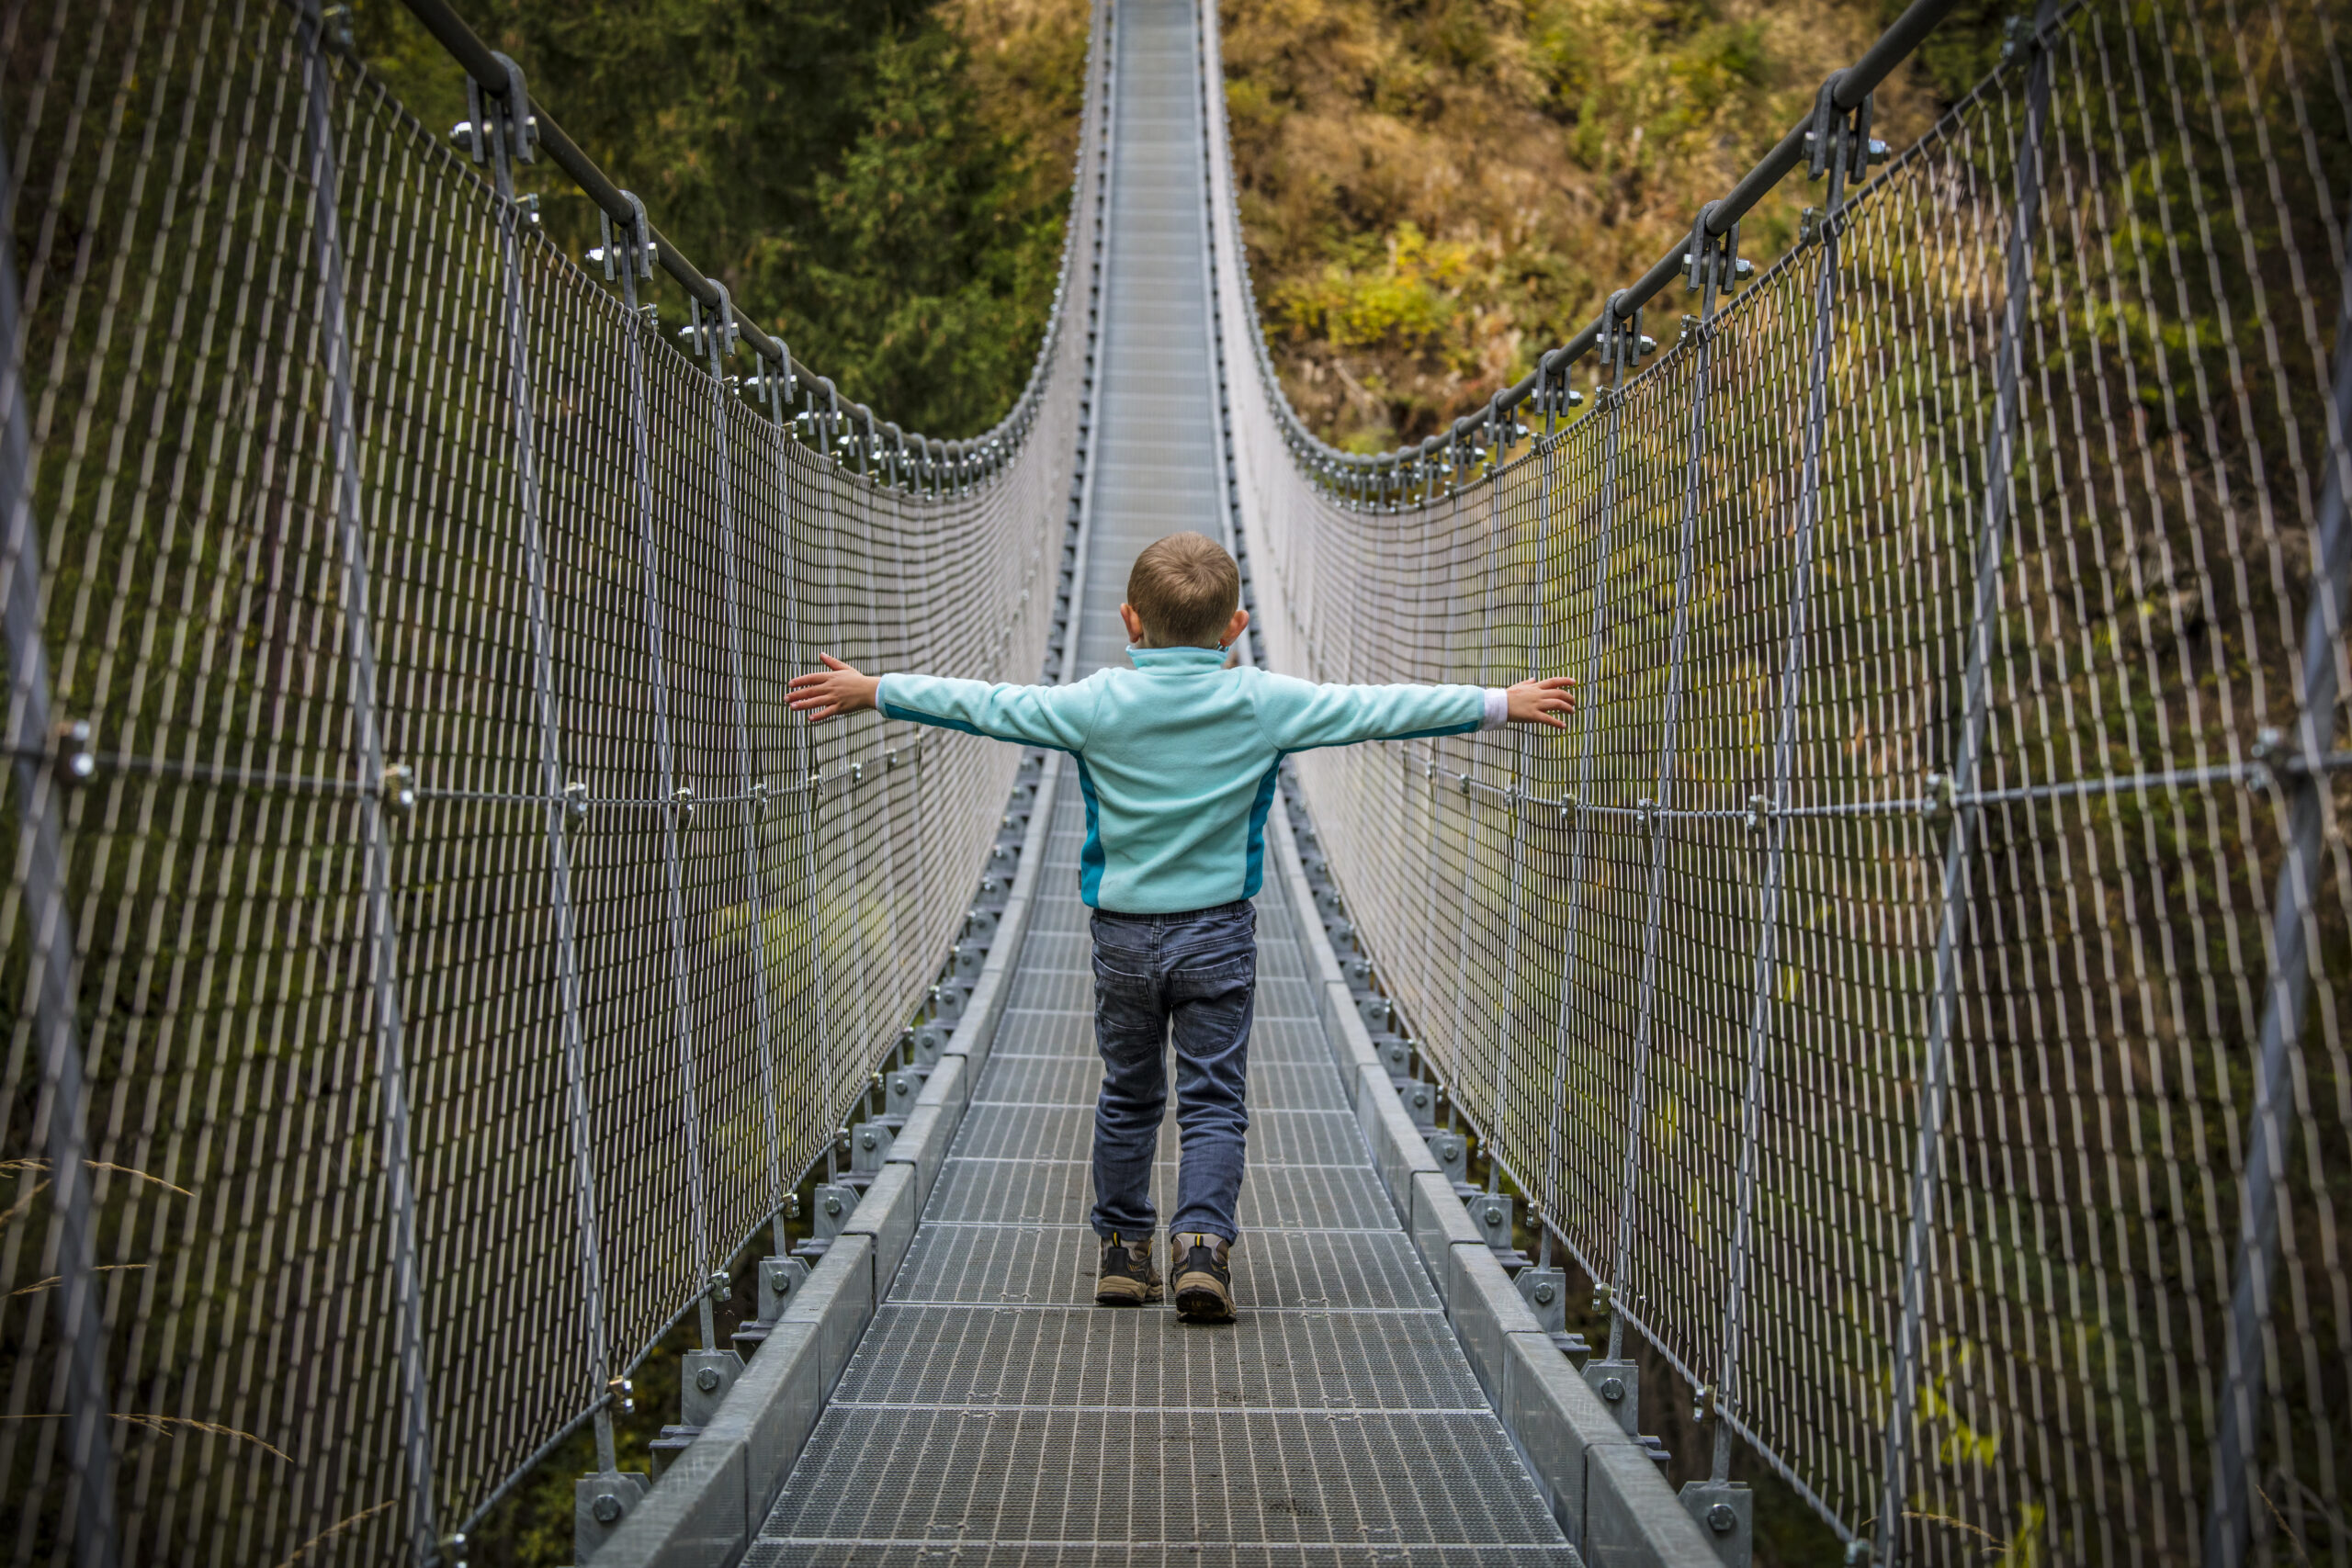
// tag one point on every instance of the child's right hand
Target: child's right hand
(1539, 702)
(835, 690)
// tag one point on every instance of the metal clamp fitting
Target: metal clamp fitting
(399, 788)
(1712, 259)
(76, 764)
(501, 116)
(1939, 797)
(632, 246)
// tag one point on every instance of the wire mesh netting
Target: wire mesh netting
(442, 950)
(1878, 986)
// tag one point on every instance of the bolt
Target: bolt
(707, 1380)
(606, 1508)
(867, 1139)
(1543, 1293)
(834, 1208)
(1612, 1388)
(399, 786)
(76, 765)
(1721, 1519)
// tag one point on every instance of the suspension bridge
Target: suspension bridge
(1884, 1056)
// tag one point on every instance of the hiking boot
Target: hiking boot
(1204, 1283)
(1126, 1276)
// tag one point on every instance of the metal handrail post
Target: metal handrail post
(51, 984)
(383, 943)
(1510, 850)
(658, 687)
(1620, 352)
(806, 761)
(754, 802)
(552, 784)
(1470, 833)
(1678, 643)
(1573, 919)
(2000, 457)
(851, 776)
(2294, 941)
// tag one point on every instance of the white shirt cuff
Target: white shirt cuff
(1498, 709)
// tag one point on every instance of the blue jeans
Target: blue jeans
(1198, 973)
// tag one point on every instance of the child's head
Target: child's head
(1184, 589)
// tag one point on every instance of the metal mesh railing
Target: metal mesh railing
(1910, 989)
(433, 949)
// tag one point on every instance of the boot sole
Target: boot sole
(1123, 1293)
(1205, 1301)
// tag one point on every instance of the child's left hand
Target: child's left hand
(829, 692)
(1539, 701)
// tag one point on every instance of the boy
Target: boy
(1177, 760)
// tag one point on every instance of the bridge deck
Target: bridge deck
(993, 1412)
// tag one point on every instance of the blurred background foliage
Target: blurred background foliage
(881, 182)
(1436, 191)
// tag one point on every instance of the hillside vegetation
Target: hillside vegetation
(1436, 191)
(1433, 191)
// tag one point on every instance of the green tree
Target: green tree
(846, 170)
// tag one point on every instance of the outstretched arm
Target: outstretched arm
(1300, 715)
(1032, 716)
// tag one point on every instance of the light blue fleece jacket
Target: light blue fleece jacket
(1177, 757)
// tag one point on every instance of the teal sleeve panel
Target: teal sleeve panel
(1031, 716)
(1299, 715)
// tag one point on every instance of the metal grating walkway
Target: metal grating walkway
(993, 1414)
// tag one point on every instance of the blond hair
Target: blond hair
(1184, 589)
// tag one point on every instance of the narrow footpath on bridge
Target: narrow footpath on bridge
(993, 1412)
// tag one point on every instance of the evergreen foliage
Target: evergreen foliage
(882, 183)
